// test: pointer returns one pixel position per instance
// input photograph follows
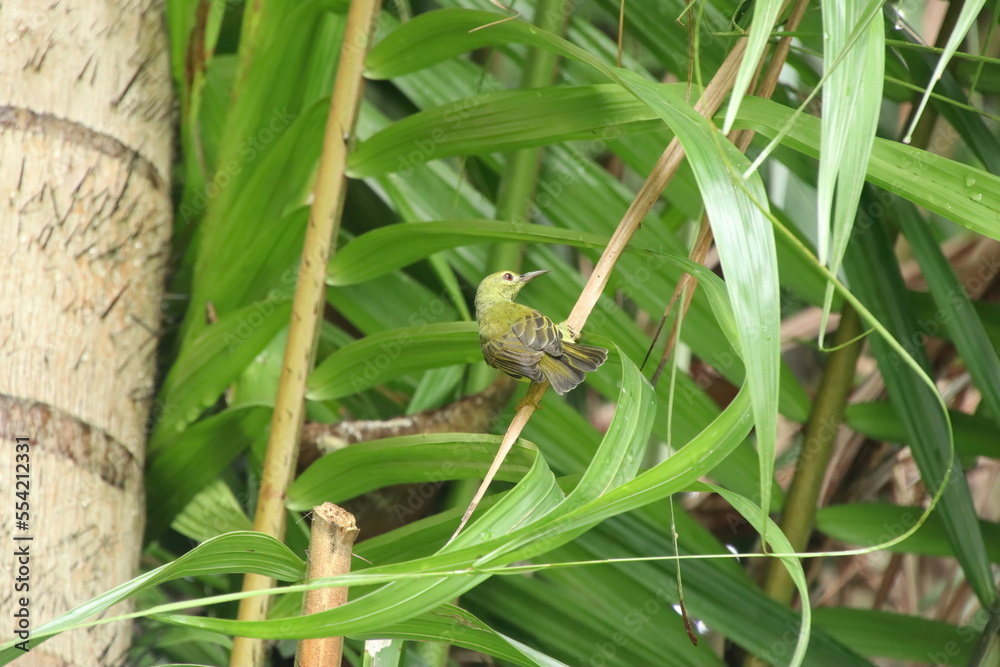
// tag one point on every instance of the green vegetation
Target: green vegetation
(570, 558)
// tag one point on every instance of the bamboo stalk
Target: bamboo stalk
(307, 308)
(331, 545)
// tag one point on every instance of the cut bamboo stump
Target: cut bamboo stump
(331, 546)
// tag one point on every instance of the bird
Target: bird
(524, 343)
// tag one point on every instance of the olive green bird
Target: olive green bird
(525, 344)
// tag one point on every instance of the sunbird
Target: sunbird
(525, 344)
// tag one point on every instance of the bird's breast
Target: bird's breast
(497, 320)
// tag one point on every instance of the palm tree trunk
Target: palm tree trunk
(85, 216)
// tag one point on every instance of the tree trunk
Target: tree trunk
(85, 215)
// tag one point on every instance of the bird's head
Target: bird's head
(503, 285)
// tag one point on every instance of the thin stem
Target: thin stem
(307, 308)
(827, 414)
(650, 191)
(524, 412)
(742, 139)
(652, 188)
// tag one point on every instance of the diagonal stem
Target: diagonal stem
(652, 188)
(710, 101)
(742, 139)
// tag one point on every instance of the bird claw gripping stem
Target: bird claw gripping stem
(526, 401)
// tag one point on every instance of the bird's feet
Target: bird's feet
(568, 332)
(526, 401)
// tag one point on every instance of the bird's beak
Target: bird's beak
(530, 275)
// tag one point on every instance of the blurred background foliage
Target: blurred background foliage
(456, 130)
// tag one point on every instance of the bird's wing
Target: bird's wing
(538, 332)
(513, 357)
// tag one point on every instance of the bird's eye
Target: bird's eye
(508, 276)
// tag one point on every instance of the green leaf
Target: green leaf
(535, 502)
(872, 523)
(435, 388)
(457, 626)
(955, 308)
(428, 458)
(743, 234)
(212, 361)
(213, 512)
(267, 155)
(402, 301)
(937, 183)
(974, 435)
(184, 464)
(950, 94)
(696, 458)
(745, 240)
(390, 354)
(230, 553)
(852, 100)
(397, 55)
(898, 636)
(780, 545)
(383, 653)
(874, 274)
(959, 192)
(501, 120)
(966, 18)
(392, 247)
(765, 13)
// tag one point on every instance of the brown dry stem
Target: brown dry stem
(649, 193)
(742, 139)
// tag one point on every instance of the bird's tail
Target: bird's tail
(568, 370)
